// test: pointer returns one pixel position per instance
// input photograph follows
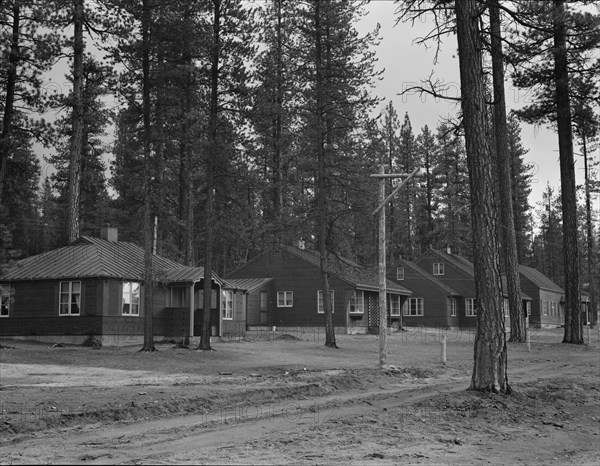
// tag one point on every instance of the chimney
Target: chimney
(449, 250)
(109, 234)
(301, 244)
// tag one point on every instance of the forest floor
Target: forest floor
(282, 398)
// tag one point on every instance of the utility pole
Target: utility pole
(383, 201)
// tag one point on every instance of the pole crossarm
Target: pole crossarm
(395, 191)
(389, 175)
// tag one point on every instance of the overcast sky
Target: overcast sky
(406, 62)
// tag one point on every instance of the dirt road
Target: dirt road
(415, 414)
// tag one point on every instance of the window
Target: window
(506, 307)
(394, 305)
(528, 308)
(471, 307)
(400, 273)
(545, 307)
(553, 309)
(452, 306)
(131, 299)
(320, 308)
(70, 299)
(438, 268)
(5, 300)
(357, 303)
(227, 304)
(413, 307)
(199, 299)
(285, 298)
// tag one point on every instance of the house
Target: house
(458, 274)
(95, 286)
(286, 290)
(547, 306)
(433, 302)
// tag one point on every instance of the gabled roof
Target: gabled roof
(98, 258)
(463, 285)
(345, 269)
(247, 284)
(424, 276)
(524, 296)
(539, 279)
(460, 262)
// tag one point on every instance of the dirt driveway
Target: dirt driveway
(284, 398)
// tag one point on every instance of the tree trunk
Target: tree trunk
(507, 222)
(148, 228)
(590, 238)
(77, 125)
(490, 352)
(573, 322)
(210, 167)
(11, 81)
(322, 205)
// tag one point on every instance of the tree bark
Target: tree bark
(210, 167)
(507, 222)
(322, 206)
(590, 237)
(148, 227)
(573, 322)
(11, 81)
(490, 352)
(77, 124)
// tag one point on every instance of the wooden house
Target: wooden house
(287, 291)
(458, 274)
(433, 302)
(547, 306)
(95, 287)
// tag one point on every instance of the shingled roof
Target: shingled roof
(360, 277)
(539, 279)
(98, 258)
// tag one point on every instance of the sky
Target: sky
(407, 63)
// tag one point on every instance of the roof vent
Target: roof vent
(301, 244)
(109, 234)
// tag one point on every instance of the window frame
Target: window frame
(226, 310)
(71, 294)
(392, 307)
(452, 306)
(286, 302)
(407, 308)
(438, 268)
(399, 276)
(321, 305)
(5, 300)
(505, 307)
(130, 313)
(470, 307)
(357, 304)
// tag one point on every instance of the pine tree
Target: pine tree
(490, 358)
(337, 67)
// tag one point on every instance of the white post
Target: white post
(191, 313)
(444, 349)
